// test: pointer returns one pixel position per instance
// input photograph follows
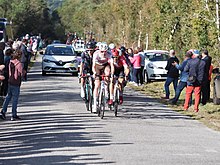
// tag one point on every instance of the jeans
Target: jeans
(141, 75)
(170, 80)
(137, 73)
(13, 93)
(178, 91)
(131, 75)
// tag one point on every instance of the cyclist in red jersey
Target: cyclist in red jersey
(121, 69)
(102, 64)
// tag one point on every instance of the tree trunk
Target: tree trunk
(217, 18)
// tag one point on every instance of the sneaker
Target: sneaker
(15, 118)
(165, 98)
(196, 110)
(120, 99)
(110, 102)
(3, 115)
(135, 84)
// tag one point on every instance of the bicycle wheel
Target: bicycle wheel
(116, 102)
(87, 96)
(102, 104)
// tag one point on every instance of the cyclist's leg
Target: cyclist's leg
(107, 72)
(121, 87)
(82, 92)
(97, 86)
(111, 89)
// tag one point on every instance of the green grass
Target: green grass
(208, 114)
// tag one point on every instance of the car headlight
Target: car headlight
(150, 65)
(74, 61)
(46, 60)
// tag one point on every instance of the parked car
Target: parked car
(59, 58)
(216, 86)
(155, 63)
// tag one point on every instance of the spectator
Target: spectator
(172, 74)
(141, 53)
(131, 55)
(195, 67)
(7, 59)
(136, 62)
(183, 77)
(14, 83)
(2, 47)
(205, 87)
(24, 58)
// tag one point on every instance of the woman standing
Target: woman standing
(136, 62)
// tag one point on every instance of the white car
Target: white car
(59, 58)
(155, 63)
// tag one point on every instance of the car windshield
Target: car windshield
(60, 50)
(157, 56)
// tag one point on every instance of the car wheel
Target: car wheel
(43, 73)
(216, 100)
(146, 79)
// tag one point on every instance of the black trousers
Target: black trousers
(205, 92)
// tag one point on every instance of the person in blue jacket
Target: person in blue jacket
(183, 76)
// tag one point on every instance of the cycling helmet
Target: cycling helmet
(90, 46)
(123, 49)
(112, 46)
(103, 46)
(115, 53)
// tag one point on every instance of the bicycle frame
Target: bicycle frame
(88, 91)
(116, 96)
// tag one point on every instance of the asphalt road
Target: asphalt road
(56, 129)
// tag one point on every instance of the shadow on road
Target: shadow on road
(35, 140)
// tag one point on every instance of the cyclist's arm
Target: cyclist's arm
(82, 64)
(112, 67)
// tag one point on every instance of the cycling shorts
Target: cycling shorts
(119, 72)
(99, 69)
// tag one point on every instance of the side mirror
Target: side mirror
(215, 71)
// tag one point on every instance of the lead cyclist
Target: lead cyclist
(102, 64)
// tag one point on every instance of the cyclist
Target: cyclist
(86, 64)
(120, 69)
(102, 64)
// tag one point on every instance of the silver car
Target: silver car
(59, 58)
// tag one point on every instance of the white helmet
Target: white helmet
(98, 43)
(103, 46)
(112, 46)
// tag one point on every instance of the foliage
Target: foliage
(29, 16)
(170, 24)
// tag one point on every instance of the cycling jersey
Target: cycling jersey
(86, 59)
(98, 59)
(121, 62)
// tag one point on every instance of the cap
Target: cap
(196, 52)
